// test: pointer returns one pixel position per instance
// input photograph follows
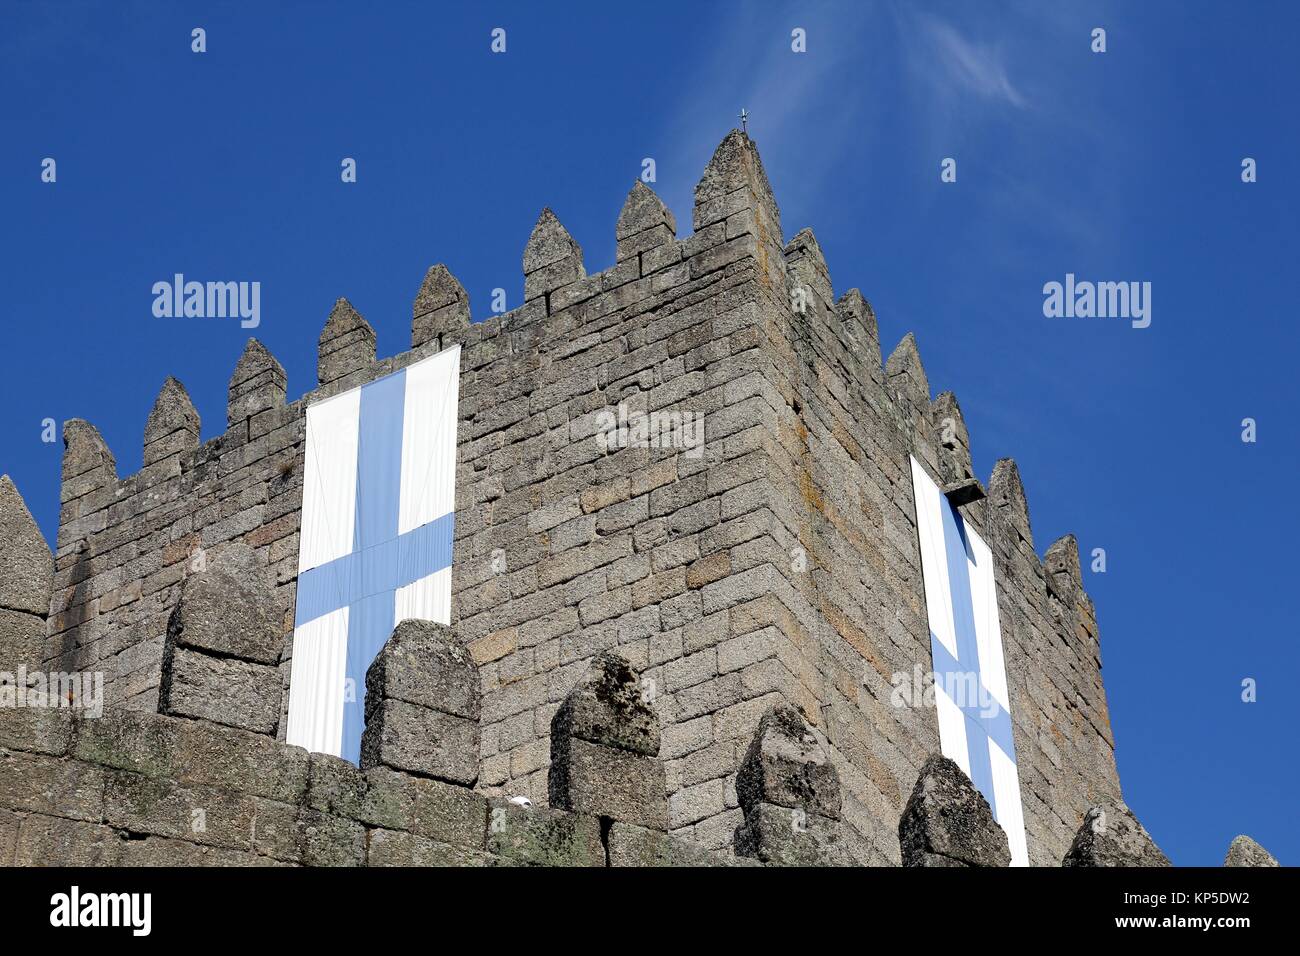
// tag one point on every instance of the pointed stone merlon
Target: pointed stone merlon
(605, 749)
(552, 258)
(947, 822)
(906, 377)
(173, 425)
(347, 344)
(422, 706)
(1111, 835)
(734, 198)
(1006, 496)
(859, 321)
(222, 649)
(26, 580)
(645, 223)
(807, 269)
(257, 385)
(951, 440)
(1061, 567)
(952, 447)
(1246, 852)
(88, 465)
(789, 792)
(441, 309)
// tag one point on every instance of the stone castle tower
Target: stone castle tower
(667, 650)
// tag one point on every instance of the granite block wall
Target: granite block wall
(695, 457)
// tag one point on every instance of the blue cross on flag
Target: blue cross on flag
(378, 504)
(970, 677)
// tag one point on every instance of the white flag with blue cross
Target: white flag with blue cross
(378, 505)
(970, 675)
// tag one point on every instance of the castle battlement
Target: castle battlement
(765, 582)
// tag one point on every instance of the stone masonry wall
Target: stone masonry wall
(776, 564)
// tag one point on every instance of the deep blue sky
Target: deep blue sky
(1118, 166)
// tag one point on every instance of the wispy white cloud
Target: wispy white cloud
(960, 64)
(801, 112)
(969, 64)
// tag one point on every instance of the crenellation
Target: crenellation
(907, 380)
(173, 426)
(803, 254)
(441, 309)
(775, 565)
(256, 390)
(552, 259)
(951, 440)
(858, 320)
(1006, 495)
(346, 347)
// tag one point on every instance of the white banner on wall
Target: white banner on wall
(971, 698)
(378, 506)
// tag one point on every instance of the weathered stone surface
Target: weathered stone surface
(295, 834)
(197, 814)
(784, 836)
(420, 741)
(906, 374)
(232, 692)
(538, 836)
(549, 243)
(551, 258)
(435, 809)
(734, 181)
(1061, 567)
(336, 786)
(787, 767)
(40, 840)
(1246, 852)
(277, 831)
(22, 641)
(238, 760)
(164, 851)
(441, 307)
(88, 465)
(41, 730)
(637, 846)
(328, 840)
(608, 782)
(173, 424)
(642, 210)
(225, 610)
(604, 748)
(448, 814)
(395, 848)
(1007, 496)
(426, 664)
(566, 547)
(856, 313)
(129, 740)
(257, 384)
(194, 753)
(607, 707)
(388, 800)
(347, 344)
(26, 565)
(644, 224)
(1111, 835)
(9, 823)
(947, 822)
(807, 265)
(41, 784)
(951, 440)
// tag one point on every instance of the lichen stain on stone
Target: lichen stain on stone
(811, 495)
